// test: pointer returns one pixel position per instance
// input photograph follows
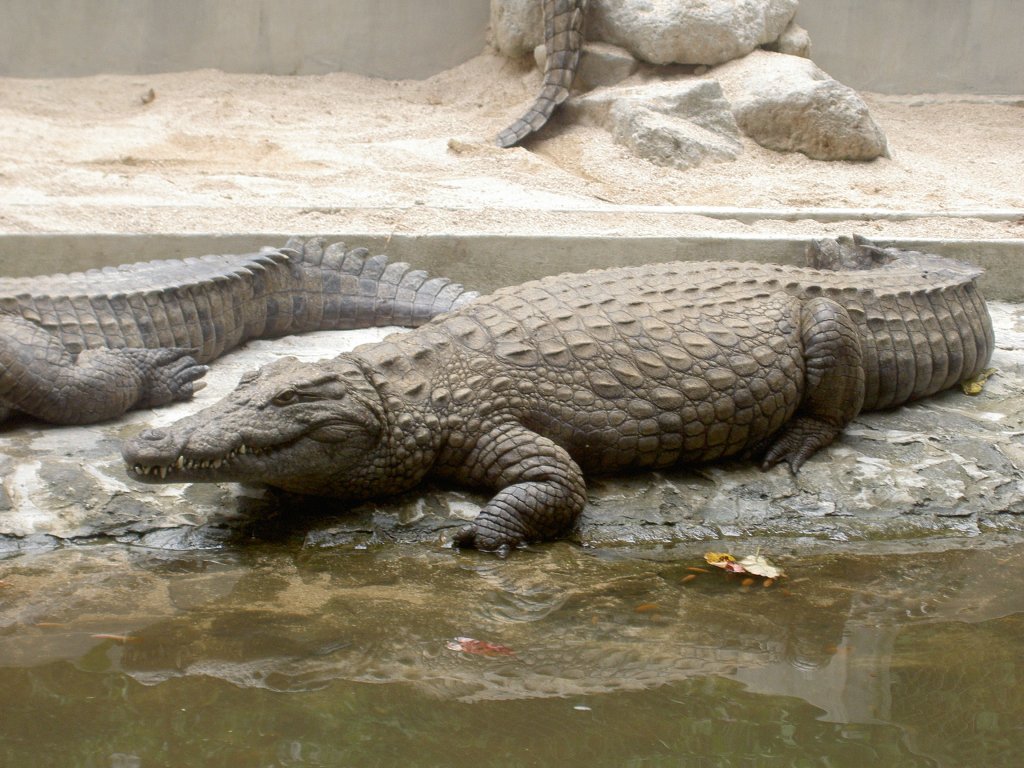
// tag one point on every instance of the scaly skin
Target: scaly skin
(82, 348)
(563, 39)
(526, 390)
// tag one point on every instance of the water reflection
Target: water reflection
(298, 656)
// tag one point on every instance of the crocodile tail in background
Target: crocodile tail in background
(349, 288)
(85, 347)
(563, 39)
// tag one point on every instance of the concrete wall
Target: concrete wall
(894, 46)
(385, 38)
(919, 46)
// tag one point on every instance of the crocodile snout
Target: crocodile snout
(151, 447)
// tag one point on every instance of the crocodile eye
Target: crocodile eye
(285, 396)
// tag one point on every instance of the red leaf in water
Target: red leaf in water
(478, 647)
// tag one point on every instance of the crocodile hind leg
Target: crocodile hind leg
(40, 377)
(833, 384)
(541, 490)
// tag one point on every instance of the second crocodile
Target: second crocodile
(86, 347)
(524, 391)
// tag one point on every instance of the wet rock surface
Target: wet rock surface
(948, 465)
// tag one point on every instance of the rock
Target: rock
(679, 123)
(657, 31)
(665, 140)
(601, 64)
(688, 32)
(794, 40)
(517, 26)
(788, 104)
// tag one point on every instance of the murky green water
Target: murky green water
(282, 656)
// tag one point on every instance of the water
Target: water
(279, 655)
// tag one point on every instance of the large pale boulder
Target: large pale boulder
(659, 31)
(689, 31)
(787, 103)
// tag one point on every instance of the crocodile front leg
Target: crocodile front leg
(40, 377)
(540, 488)
(833, 380)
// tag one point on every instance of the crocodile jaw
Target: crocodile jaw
(311, 428)
(192, 469)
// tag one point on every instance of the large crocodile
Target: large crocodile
(85, 347)
(525, 390)
(563, 39)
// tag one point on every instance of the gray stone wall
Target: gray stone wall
(918, 46)
(892, 46)
(394, 39)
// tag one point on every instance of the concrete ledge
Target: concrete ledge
(488, 261)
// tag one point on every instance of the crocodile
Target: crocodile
(528, 389)
(87, 347)
(563, 39)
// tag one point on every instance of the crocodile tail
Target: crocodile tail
(348, 288)
(563, 39)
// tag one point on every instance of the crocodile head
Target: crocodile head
(315, 428)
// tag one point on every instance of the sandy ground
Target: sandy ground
(212, 152)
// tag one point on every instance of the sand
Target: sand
(206, 151)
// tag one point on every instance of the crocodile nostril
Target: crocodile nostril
(153, 435)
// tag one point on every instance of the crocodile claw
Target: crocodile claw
(169, 374)
(471, 537)
(800, 440)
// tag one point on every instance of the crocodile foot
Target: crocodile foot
(800, 439)
(489, 535)
(168, 374)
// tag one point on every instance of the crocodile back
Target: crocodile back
(647, 366)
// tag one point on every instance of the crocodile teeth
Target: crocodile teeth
(181, 463)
